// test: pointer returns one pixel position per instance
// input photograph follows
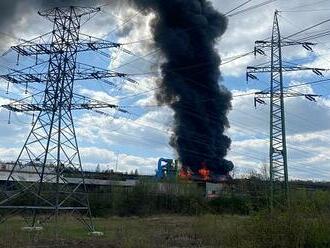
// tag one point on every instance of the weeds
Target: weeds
(188, 220)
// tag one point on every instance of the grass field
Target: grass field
(285, 230)
(160, 231)
(149, 220)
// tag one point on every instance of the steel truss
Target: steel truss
(51, 149)
(278, 160)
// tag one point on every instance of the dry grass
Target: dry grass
(160, 231)
(306, 224)
(285, 230)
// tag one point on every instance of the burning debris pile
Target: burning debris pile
(186, 32)
(203, 174)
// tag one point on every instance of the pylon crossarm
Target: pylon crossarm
(45, 49)
(101, 41)
(259, 44)
(90, 73)
(80, 103)
(22, 78)
(267, 95)
(68, 12)
(267, 69)
(41, 45)
(26, 107)
(21, 107)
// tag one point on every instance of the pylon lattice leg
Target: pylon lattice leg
(51, 152)
(278, 151)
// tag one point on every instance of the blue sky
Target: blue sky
(140, 138)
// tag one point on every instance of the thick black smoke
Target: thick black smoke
(186, 32)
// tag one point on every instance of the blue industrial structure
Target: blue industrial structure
(167, 168)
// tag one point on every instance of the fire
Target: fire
(185, 173)
(204, 172)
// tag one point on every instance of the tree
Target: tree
(98, 168)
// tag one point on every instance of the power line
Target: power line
(145, 73)
(168, 133)
(303, 11)
(309, 4)
(251, 8)
(306, 29)
(237, 7)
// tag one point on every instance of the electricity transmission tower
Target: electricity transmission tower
(278, 149)
(50, 152)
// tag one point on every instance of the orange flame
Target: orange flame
(185, 173)
(204, 172)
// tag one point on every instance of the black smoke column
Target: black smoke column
(186, 32)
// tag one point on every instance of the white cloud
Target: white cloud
(308, 130)
(8, 154)
(147, 134)
(244, 29)
(99, 95)
(113, 160)
(140, 141)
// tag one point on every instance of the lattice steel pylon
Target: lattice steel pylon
(279, 186)
(51, 151)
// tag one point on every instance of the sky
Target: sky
(137, 140)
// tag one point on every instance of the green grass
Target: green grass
(229, 221)
(283, 229)
(158, 231)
